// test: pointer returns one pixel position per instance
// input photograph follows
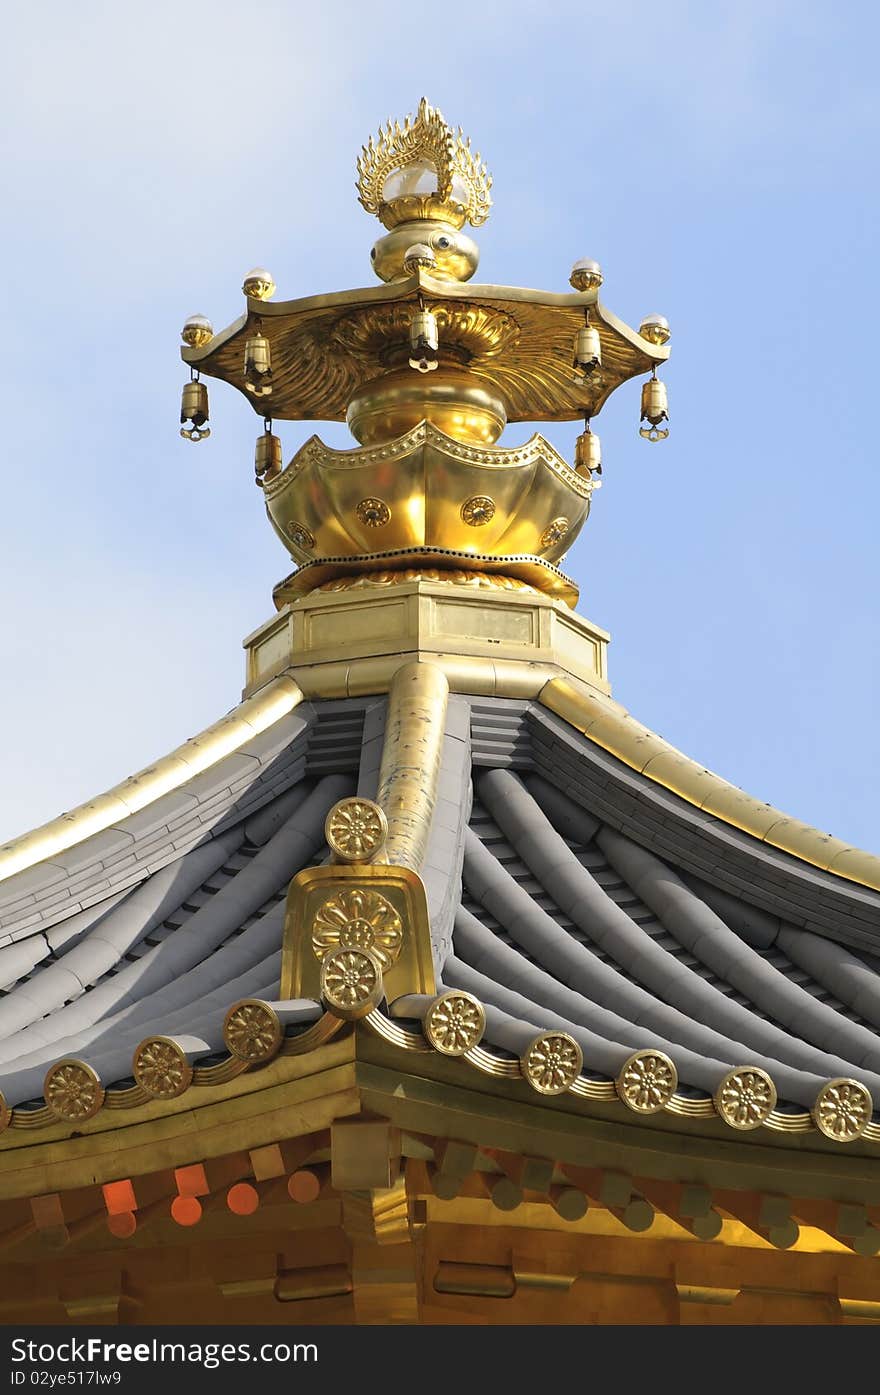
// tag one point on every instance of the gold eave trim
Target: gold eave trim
(256, 714)
(610, 726)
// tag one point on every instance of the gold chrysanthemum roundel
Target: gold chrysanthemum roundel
(745, 1097)
(358, 919)
(842, 1110)
(252, 1031)
(455, 1023)
(647, 1081)
(552, 1063)
(351, 982)
(161, 1068)
(73, 1091)
(356, 830)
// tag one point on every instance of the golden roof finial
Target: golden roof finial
(423, 169)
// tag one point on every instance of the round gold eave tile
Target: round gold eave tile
(351, 982)
(455, 1023)
(842, 1110)
(647, 1081)
(252, 1031)
(552, 1063)
(746, 1097)
(161, 1068)
(73, 1090)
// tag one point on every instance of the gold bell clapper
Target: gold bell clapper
(424, 341)
(267, 456)
(194, 409)
(655, 409)
(587, 347)
(258, 365)
(588, 455)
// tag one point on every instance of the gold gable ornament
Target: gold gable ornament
(357, 930)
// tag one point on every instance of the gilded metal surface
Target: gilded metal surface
(5, 1113)
(458, 404)
(315, 376)
(552, 1063)
(842, 1110)
(543, 576)
(355, 830)
(586, 275)
(252, 1031)
(411, 971)
(73, 1091)
(358, 919)
(647, 1081)
(430, 485)
(161, 1068)
(351, 982)
(478, 581)
(320, 1032)
(610, 726)
(411, 756)
(395, 1032)
(424, 142)
(254, 715)
(455, 1023)
(745, 1097)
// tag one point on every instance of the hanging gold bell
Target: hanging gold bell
(655, 409)
(194, 409)
(424, 341)
(258, 366)
(267, 457)
(588, 456)
(587, 349)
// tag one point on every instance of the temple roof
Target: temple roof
(567, 891)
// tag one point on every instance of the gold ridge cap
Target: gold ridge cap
(609, 725)
(199, 753)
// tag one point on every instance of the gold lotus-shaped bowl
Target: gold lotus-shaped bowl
(427, 490)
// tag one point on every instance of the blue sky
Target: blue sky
(718, 159)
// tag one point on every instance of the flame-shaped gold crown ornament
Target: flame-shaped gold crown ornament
(423, 169)
(427, 368)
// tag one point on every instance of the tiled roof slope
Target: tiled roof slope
(566, 892)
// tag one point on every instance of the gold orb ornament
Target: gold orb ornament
(586, 275)
(356, 830)
(259, 284)
(351, 982)
(252, 1031)
(455, 1023)
(197, 331)
(655, 328)
(161, 1068)
(552, 1063)
(73, 1091)
(647, 1081)
(843, 1110)
(745, 1097)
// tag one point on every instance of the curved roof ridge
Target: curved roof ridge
(222, 738)
(611, 726)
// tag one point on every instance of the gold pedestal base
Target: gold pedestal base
(491, 635)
